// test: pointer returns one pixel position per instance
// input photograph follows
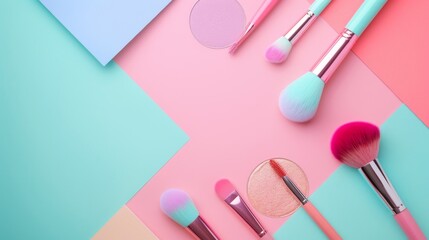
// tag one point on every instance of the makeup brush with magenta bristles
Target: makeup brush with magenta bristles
(356, 144)
(299, 101)
(177, 205)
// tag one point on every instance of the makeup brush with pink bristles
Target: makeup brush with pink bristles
(356, 144)
(279, 50)
(177, 205)
(226, 191)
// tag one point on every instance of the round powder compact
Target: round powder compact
(267, 192)
(217, 23)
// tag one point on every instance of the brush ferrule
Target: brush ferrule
(378, 179)
(236, 202)
(332, 58)
(295, 190)
(202, 230)
(300, 27)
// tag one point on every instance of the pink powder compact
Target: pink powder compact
(269, 195)
(217, 23)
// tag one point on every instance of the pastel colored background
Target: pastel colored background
(104, 27)
(398, 39)
(226, 105)
(124, 225)
(403, 153)
(77, 140)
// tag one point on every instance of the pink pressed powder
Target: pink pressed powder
(217, 23)
(267, 192)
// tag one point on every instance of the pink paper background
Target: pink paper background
(394, 47)
(228, 107)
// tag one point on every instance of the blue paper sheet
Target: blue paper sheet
(105, 27)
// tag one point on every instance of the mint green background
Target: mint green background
(77, 140)
(350, 204)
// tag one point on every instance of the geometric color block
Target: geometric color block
(228, 106)
(77, 140)
(394, 47)
(104, 27)
(350, 204)
(124, 226)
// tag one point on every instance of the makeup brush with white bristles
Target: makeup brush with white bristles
(356, 144)
(299, 101)
(279, 50)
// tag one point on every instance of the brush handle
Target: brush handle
(260, 15)
(201, 230)
(321, 221)
(335, 55)
(364, 15)
(267, 236)
(409, 225)
(263, 11)
(238, 204)
(318, 6)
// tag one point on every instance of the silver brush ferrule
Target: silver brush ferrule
(295, 190)
(378, 179)
(332, 58)
(300, 27)
(236, 202)
(202, 230)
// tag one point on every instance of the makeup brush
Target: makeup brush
(306, 204)
(356, 144)
(226, 191)
(177, 204)
(263, 11)
(299, 101)
(279, 50)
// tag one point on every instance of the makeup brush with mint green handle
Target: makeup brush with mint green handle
(299, 100)
(279, 50)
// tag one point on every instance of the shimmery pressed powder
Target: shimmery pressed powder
(267, 192)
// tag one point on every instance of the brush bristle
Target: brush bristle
(277, 168)
(299, 101)
(177, 204)
(224, 188)
(356, 143)
(278, 51)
